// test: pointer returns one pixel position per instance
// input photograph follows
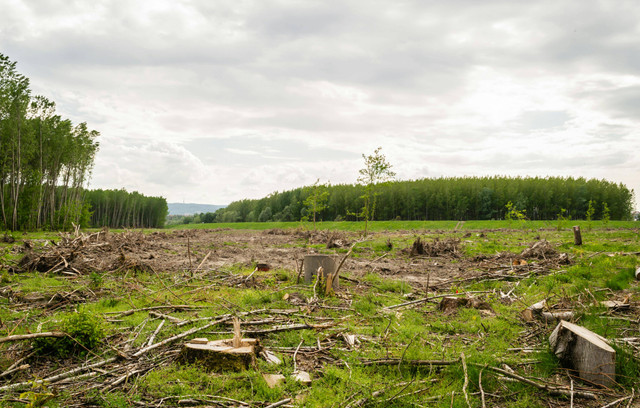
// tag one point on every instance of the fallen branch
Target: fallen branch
(58, 377)
(145, 309)
(155, 333)
(395, 361)
(279, 403)
(18, 337)
(428, 298)
(203, 261)
(466, 379)
(166, 317)
(551, 389)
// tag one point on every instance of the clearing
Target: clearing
(429, 316)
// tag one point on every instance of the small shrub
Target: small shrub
(38, 395)
(605, 214)
(589, 214)
(563, 217)
(84, 329)
(95, 280)
(620, 280)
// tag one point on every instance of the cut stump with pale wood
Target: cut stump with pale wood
(313, 262)
(220, 355)
(587, 354)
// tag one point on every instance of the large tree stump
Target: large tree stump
(585, 353)
(328, 264)
(220, 355)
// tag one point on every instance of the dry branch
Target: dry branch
(18, 337)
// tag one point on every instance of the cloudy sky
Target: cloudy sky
(212, 101)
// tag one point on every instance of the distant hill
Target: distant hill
(191, 208)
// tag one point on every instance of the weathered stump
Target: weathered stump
(585, 353)
(220, 355)
(313, 262)
(577, 236)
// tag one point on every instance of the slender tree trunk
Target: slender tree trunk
(41, 186)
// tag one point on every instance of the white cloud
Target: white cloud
(217, 101)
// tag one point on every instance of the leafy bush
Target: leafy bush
(84, 329)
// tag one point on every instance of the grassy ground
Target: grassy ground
(358, 226)
(601, 269)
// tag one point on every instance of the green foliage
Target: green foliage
(376, 170)
(621, 280)
(95, 280)
(38, 395)
(513, 213)
(460, 198)
(627, 366)
(316, 202)
(562, 218)
(265, 215)
(589, 214)
(45, 160)
(84, 329)
(121, 209)
(606, 216)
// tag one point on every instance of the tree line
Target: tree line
(44, 159)
(446, 198)
(45, 163)
(121, 209)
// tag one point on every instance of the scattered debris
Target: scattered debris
(447, 247)
(534, 311)
(294, 298)
(417, 248)
(586, 354)
(450, 305)
(350, 339)
(302, 377)
(270, 358)
(273, 380)
(616, 304)
(544, 250)
(540, 311)
(551, 317)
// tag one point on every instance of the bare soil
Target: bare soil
(436, 262)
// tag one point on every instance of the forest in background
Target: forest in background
(121, 209)
(45, 163)
(45, 160)
(446, 198)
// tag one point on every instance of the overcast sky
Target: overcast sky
(213, 101)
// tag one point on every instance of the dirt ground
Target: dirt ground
(435, 261)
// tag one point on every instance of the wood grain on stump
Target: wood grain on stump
(220, 355)
(586, 353)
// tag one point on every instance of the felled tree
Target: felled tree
(375, 172)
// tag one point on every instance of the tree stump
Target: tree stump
(577, 236)
(328, 264)
(220, 355)
(585, 353)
